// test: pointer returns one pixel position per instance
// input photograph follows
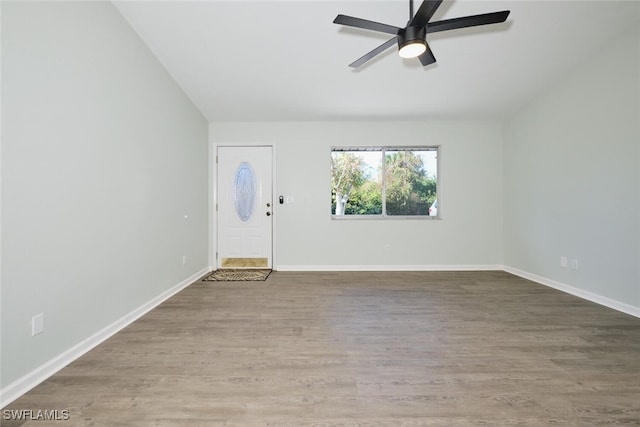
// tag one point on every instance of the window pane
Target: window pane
(356, 185)
(244, 193)
(384, 181)
(410, 181)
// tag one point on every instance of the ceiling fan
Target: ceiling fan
(412, 39)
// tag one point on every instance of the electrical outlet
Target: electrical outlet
(387, 248)
(574, 264)
(184, 260)
(37, 324)
(563, 262)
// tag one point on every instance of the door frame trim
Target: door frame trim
(213, 197)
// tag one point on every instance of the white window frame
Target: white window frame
(383, 150)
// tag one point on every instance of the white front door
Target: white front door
(244, 207)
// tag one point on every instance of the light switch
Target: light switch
(37, 324)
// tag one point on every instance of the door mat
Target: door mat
(238, 275)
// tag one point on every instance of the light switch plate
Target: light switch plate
(37, 324)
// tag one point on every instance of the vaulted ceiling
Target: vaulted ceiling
(286, 61)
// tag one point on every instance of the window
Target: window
(384, 181)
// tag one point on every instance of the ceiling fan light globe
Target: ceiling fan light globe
(413, 49)
(412, 42)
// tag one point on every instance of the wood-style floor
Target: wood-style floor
(358, 349)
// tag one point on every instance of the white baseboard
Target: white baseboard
(22, 385)
(580, 293)
(388, 267)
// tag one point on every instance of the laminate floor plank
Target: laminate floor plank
(358, 349)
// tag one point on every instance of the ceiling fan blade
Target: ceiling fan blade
(384, 46)
(367, 25)
(424, 13)
(468, 21)
(427, 57)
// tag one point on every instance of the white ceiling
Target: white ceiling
(286, 61)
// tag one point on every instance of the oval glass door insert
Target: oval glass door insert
(244, 191)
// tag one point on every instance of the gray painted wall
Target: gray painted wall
(102, 156)
(469, 234)
(572, 177)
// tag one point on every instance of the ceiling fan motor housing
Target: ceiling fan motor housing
(411, 35)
